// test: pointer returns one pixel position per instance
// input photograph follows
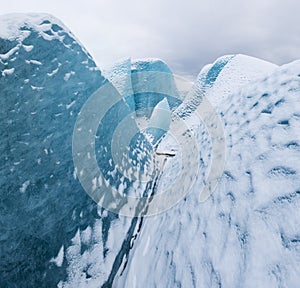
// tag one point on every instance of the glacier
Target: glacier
(247, 233)
(42, 204)
(52, 233)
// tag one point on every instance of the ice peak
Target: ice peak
(13, 26)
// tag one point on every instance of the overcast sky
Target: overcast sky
(186, 34)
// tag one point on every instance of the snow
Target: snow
(247, 233)
(68, 106)
(28, 48)
(24, 186)
(36, 88)
(58, 260)
(238, 70)
(10, 24)
(9, 53)
(68, 75)
(8, 72)
(33, 62)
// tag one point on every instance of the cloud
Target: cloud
(186, 34)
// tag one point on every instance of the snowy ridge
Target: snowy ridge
(247, 234)
(17, 27)
(41, 22)
(229, 73)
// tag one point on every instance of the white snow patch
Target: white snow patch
(28, 48)
(68, 106)
(58, 260)
(24, 186)
(239, 71)
(36, 88)
(9, 53)
(10, 25)
(8, 72)
(68, 75)
(33, 62)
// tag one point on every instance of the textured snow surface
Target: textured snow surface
(11, 24)
(53, 235)
(229, 73)
(246, 234)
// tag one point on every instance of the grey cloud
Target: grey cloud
(186, 34)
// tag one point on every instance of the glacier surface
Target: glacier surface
(247, 233)
(42, 204)
(53, 235)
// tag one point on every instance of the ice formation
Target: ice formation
(53, 235)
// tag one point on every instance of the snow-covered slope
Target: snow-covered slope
(247, 234)
(229, 73)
